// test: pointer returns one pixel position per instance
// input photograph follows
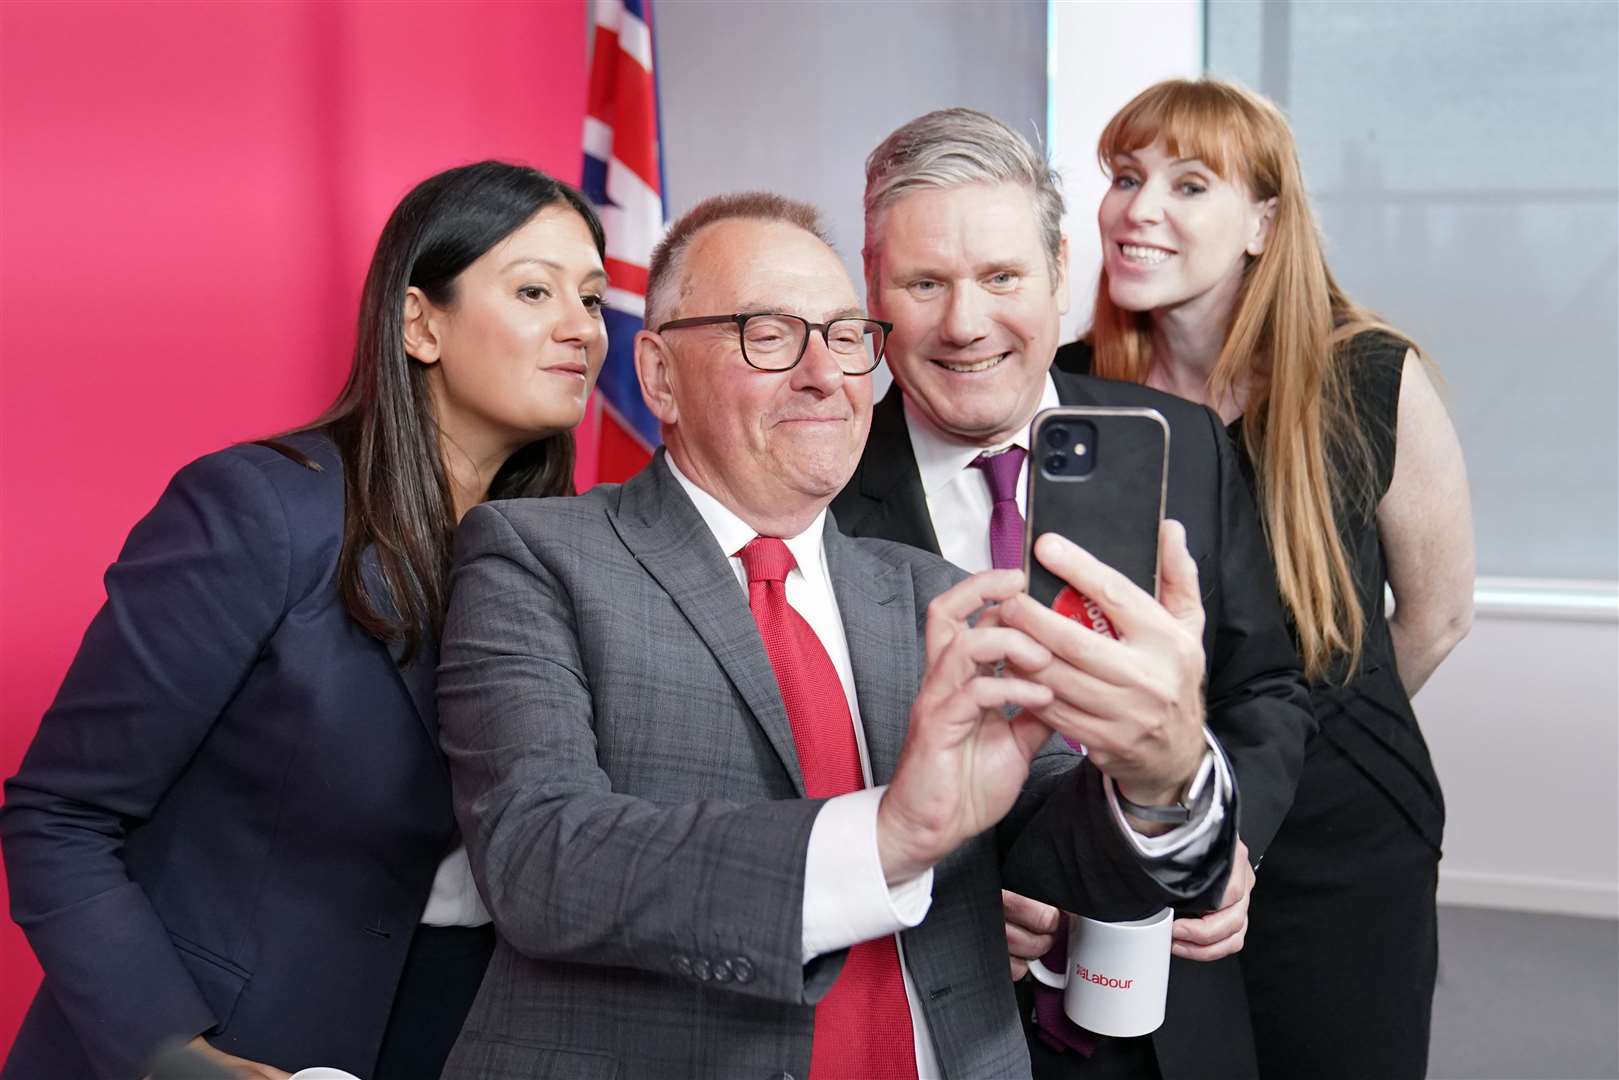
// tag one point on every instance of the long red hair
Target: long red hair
(1284, 350)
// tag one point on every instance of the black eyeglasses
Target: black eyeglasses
(772, 341)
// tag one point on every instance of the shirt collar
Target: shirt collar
(940, 458)
(732, 533)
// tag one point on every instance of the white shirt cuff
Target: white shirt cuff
(846, 898)
(1185, 844)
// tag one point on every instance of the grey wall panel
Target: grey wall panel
(1461, 156)
(791, 96)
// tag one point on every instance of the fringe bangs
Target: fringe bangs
(1195, 119)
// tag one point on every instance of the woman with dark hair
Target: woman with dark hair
(1214, 287)
(234, 825)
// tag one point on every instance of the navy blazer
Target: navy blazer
(230, 819)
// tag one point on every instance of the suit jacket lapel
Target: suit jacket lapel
(876, 602)
(666, 534)
(420, 679)
(1074, 389)
(896, 507)
(420, 675)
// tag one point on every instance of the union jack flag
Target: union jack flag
(623, 177)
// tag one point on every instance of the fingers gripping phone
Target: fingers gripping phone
(1097, 476)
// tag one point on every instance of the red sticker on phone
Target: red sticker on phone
(1087, 613)
(1083, 610)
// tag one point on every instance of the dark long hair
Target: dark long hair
(397, 495)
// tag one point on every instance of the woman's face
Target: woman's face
(1175, 235)
(516, 352)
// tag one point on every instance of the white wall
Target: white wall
(1103, 54)
(1523, 722)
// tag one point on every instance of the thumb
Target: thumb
(1178, 588)
(1030, 733)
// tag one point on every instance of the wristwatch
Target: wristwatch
(1176, 813)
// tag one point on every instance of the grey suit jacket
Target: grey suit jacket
(632, 803)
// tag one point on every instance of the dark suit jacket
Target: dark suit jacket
(230, 818)
(1258, 705)
(629, 789)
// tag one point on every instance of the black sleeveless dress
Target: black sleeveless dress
(1342, 946)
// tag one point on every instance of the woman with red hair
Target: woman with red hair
(1214, 287)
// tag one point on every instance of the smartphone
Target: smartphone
(1097, 476)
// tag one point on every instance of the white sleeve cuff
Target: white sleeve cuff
(1186, 843)
(846, 899)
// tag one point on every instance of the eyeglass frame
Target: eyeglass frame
(740, 320)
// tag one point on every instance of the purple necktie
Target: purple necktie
(1006, 552)
(1051, 1023)
(1005, 521)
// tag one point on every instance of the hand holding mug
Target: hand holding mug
(1117, 974)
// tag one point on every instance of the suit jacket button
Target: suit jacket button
(700, 968)
(682, 965)
(722, 971)
(742, 968)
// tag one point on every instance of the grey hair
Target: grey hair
(954, 147)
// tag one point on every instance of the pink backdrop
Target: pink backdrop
(189, 194)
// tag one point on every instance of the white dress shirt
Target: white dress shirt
(454, 900)
(960, 504)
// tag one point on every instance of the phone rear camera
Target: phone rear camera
(1056, 463)
(1057, 436)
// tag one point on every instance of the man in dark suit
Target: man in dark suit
(964, 254)
(741, 792)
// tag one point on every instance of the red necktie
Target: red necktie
(863, 1024)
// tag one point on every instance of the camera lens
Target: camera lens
(1056, 463)
(1057, 436)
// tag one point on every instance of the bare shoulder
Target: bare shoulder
(1425, 518)
(1425, 438)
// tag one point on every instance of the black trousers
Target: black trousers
(443, 971)
(1114, 1059)
(1343, 945)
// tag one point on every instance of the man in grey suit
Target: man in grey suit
(741, 792)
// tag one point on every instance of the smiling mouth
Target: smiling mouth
(1143, 255)
(972, 367)
(578, 370)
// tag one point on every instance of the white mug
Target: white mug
(323, 1072)
(1117, 974)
